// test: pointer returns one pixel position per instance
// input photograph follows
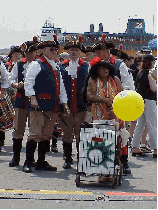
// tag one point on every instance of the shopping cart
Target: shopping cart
(99, 152)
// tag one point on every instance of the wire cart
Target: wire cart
(99, 152)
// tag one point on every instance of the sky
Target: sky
(21, 20)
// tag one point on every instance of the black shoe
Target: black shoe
(27, 168)
(67, 165)
(44, 166)
(126, 169)
(33, 164)
(54, 149)
(154, 155)
(13, 163)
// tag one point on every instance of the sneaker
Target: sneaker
(67, 165)
(27, 168)
(145, 149)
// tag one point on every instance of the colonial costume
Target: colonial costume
(16, 78)
(44, 85)
(74, 74)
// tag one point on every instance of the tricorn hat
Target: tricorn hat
(49, 43)
(89, 49)
(30, 46)
(119, 53)
(76, 43)
(103, 44)
(13, 50)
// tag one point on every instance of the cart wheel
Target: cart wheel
(77, 180)
(113, 182)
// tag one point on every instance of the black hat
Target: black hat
(149, 57)
(30, 46)
(76, 43)
(49, 43)
(89, 49)
(119, 53)
(13, 50)
(103, 44)
(96, 62)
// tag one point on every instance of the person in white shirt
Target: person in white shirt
(74, 72)
(44, 86)
(16, 79)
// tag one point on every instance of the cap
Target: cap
(149, 57)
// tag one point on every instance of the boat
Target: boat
(133, 40)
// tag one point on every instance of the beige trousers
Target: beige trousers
(73, 126)
(20, 119)
(41, 127)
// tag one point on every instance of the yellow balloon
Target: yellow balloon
(128, 105)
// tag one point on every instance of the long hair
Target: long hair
(147, 65)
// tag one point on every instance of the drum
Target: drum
(6, 113)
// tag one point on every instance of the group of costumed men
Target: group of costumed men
(46, 90)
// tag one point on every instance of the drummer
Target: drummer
(21, 101)
(4, 84)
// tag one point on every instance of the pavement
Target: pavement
(58, 190)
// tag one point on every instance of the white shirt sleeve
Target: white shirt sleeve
(126, 79)
(4, 76)
(13, 75)
(32, 71)
(62, 95)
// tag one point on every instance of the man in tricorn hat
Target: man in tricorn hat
(16, 78)
(74, 72)
(44, 86)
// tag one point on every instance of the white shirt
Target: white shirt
(126, 78)
(72, 68)
(4, 76)
(14, 73)
(33, 70)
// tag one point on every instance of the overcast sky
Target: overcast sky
(21, 20)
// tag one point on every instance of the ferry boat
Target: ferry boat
(48, 30)
(133, 40)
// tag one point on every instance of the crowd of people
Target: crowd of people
(71, 89)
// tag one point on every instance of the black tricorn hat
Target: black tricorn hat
(49, 43)
(119, 53)
(89, 49)
(76, 43)
(30, 46)
(103, 44)
(13, 50)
